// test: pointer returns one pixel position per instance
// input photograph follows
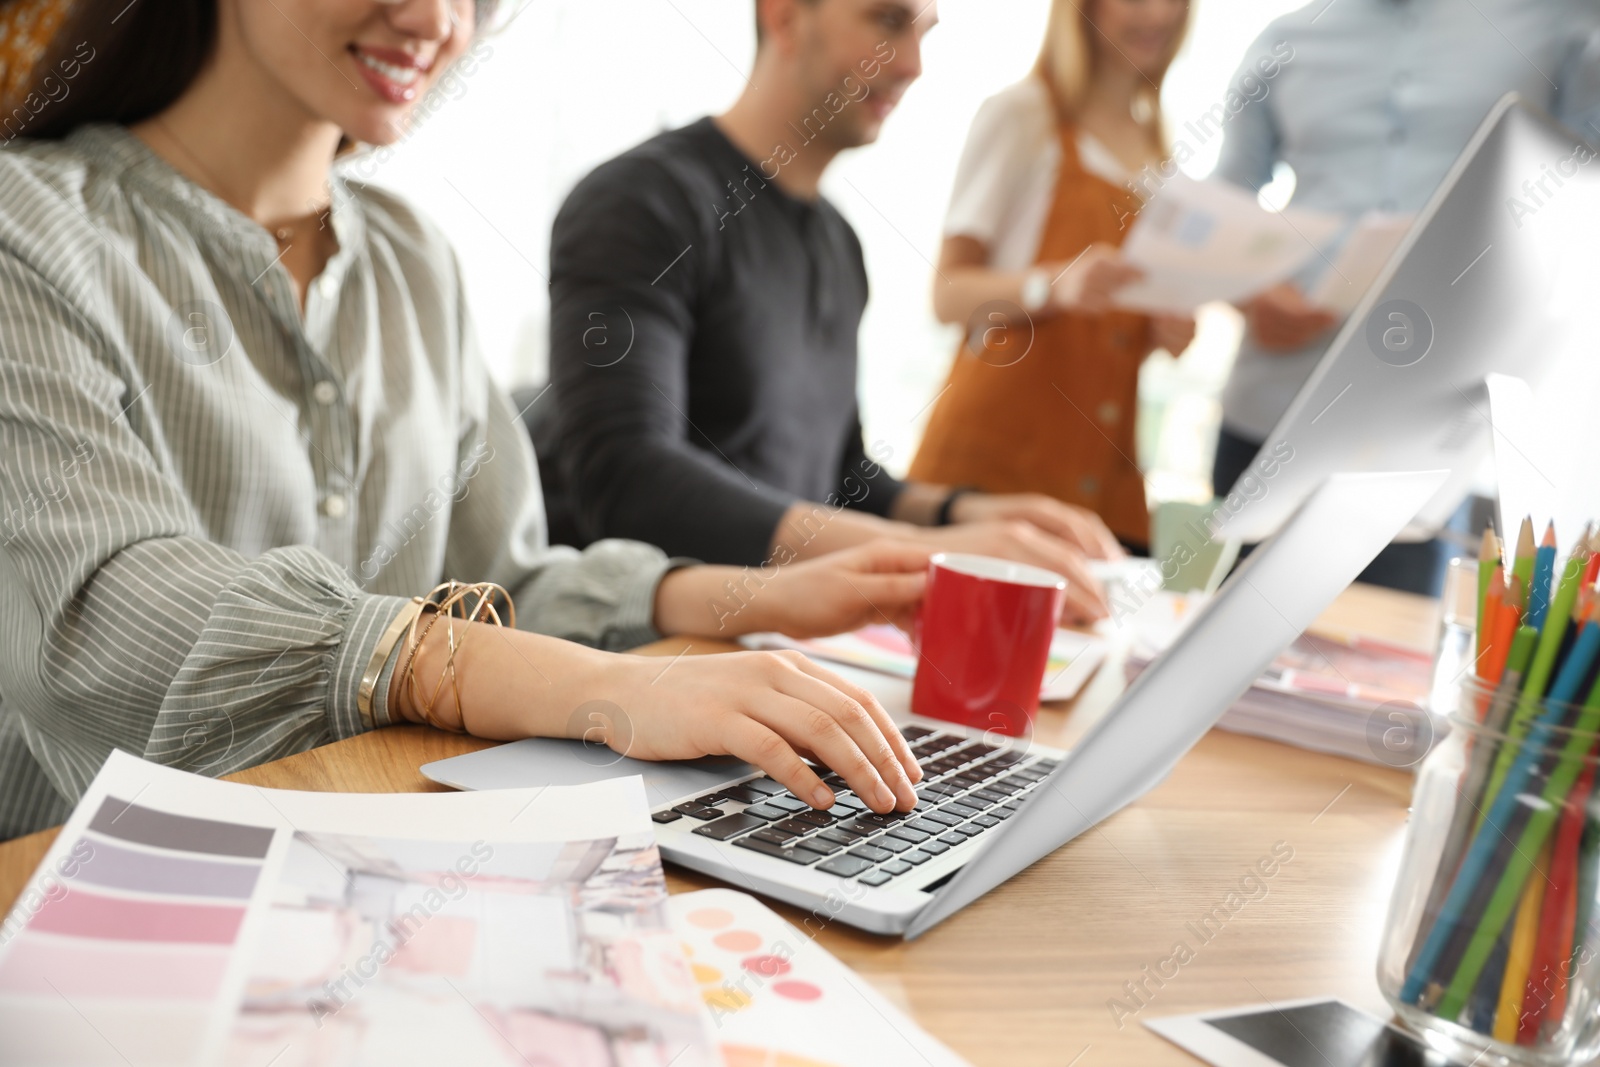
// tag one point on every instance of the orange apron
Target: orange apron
(1055, 412)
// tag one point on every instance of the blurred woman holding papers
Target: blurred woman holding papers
(1044, 391)
(244, 426)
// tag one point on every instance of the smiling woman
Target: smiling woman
(264, 380)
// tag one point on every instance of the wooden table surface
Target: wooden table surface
(1055, 967)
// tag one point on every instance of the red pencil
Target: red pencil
(1545, 996)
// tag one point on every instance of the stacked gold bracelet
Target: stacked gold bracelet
(475, 602)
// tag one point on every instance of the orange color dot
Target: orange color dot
(797, 990)
(706, 975)
(725, 998)
(711, 918)
(738, 941)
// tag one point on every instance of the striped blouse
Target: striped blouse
(213, 505)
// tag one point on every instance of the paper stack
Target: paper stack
(1346, 695)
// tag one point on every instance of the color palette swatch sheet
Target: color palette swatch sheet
(775, 998)
(182, 920)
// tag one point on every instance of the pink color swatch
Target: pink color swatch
(84, 914)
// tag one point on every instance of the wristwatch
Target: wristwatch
(1035, 290)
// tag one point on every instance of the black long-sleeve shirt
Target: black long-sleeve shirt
(703, 329)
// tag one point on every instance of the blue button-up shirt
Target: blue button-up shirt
(1374, 104)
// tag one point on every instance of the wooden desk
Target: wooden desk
(1027, 975)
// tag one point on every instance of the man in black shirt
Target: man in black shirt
(705, 307)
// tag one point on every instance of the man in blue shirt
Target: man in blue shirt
(1376, 101)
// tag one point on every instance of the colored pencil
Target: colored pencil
(1519, 960)
(1522, 561)
(1488, 563)
(1488, 619)
(1544, 570)
(1539, 822)
(1544, 997)
(1505, 629)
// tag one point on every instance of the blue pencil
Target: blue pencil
(1544, 575)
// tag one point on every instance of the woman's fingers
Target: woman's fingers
(846, 726)
(869, 703)
(750, 740)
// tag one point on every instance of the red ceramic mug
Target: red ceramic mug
(983, 639)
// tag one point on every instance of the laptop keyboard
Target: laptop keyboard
(968, 787)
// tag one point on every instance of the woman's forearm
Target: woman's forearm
(511, 683)
(959, 292)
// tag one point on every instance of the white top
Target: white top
(1006, 181)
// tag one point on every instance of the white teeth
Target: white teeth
(398, 75)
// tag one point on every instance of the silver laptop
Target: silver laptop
(1496, 276)
(987, 809)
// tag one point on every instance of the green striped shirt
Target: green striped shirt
(211, 504)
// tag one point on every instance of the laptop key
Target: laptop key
(837, 837)
(942, 818)
(953, 839)
(990, 795)
(1005, 787)
(795, 827)
(845, 866)
(762, 811)
(906, 833)
(928, 826)
(916, 856)
(729, 826)
(711, 800)
(773, 836)
(874, 878)
(767, 848)
(970, 830)
(872, 853)
(764, 786)
(960, 811)
(788, 803)
(1000, 813)
(893, 844)
(987, 821)
(973, 801)
(932, 848)
(895, 867)
(819, 846)
(913, 732)
(744, 794)
(665, 816)
(699, 811)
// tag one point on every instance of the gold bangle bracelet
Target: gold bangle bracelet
(380, 656)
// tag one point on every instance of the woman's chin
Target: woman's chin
(378, 128)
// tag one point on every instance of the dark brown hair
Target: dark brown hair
(130, 61)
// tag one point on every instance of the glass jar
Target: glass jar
(1490, 947)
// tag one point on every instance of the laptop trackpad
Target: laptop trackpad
(554, 761)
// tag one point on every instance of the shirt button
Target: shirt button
(1109, 412)
(325, 393)
(335, 506)
(327, 286)
(1088, 486)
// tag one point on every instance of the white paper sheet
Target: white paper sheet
(1203, 241)
(184, 920)
(1360, 261)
